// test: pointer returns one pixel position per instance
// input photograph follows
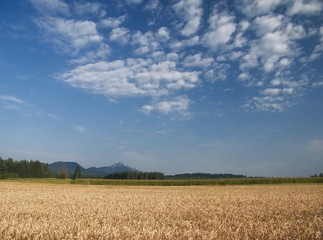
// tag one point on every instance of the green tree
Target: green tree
(63, 173)
(77, 173)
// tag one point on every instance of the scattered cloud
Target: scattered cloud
(12, 103)
(221, 28)
(22, 107)
(89, 8)
(112, 22)
(305, 7)
(258, 7)
(197, 60)
(120, 35)
(191, 13)
(131, 77)
(11, 99)
(51, 7)
(318, 49)
(79, 128)
(70, 34)
(163, 34)
(177, 105)
(152, 5)
(263, 41)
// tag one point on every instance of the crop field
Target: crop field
(66, 211)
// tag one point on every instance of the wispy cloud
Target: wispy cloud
(221, 28)
(191, 13)
(51, 7)
(305, 7)
(263, 42)
(69, 36)
(89, 8)
(11, 100)
(177, 105)
(80, 129)
(213, 144)
(14, 103)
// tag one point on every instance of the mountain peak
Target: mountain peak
(119, 164)
(70, 166)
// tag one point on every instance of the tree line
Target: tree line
(136, 175)
(10, 168)
(205, 176)
(317, 175)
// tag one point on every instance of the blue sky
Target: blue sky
(171, 86)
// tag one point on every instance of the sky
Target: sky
(173, 86)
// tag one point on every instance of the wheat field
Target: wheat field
(64, 211)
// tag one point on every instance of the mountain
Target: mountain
(70, 166)
(92, 171)
(117, 167)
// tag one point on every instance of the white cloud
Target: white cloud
(79, 128)
(191, 41)
(134, 77)
(318, 49)
(146, 41)
(272, 91)
(11, 99)
(318, 84)
(26, 109)
(244, 76)
(221, 28)
(12, 103)
(89, 8)
(305, 7)
(112, 22)
(172, 57)
(258, 7)
(267, 23)
(120, 35)
(178, 105)
(191, 12)
(274, 45)
(92, 56)
(152, 5)
(51, 7)
(163, 34)
(218, 72)
(197, 60)
(67, 34)
(264, 44)
(267, 104)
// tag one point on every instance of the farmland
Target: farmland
(33, 210)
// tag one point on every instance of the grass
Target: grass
(197, 182)
(56, 211)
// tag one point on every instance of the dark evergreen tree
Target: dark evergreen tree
(77, 173)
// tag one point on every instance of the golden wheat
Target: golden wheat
(53, 211)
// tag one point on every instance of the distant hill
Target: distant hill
(70, 166)
(92, 171)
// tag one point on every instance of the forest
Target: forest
(205, 176)
(10, 168)
(136, 175)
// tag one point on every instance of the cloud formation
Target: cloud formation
(253, 44)
(177, 105)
